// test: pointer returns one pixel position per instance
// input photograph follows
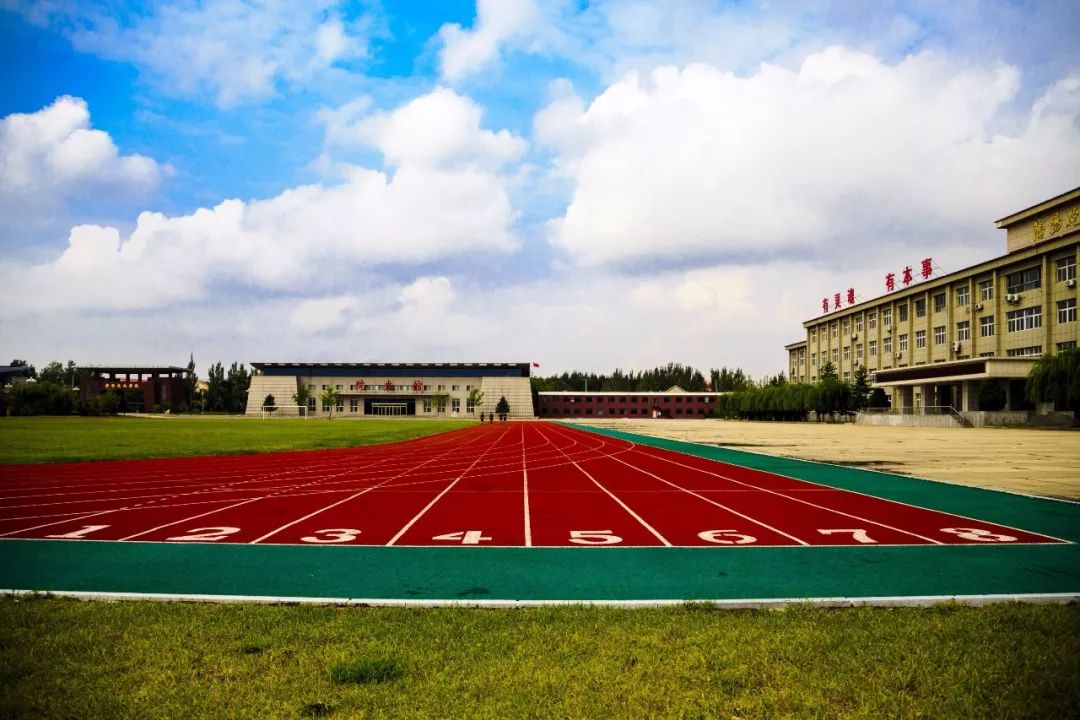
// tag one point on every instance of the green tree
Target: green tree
(191, 381)
(269, 404)
(31, 372)
(52, 373)
(108, 403)
(439, 400)
(475, 399)
(330, 397)
(502, 408)
(1056, 379)
(878, 399)
(216, 390)
(237, 382)
(300, 397)
(860, 389)
(828, 372)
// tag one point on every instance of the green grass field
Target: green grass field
(66, 659)
(55, 439)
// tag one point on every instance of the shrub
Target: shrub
(878, 399)
(41, 398)
(108, 403)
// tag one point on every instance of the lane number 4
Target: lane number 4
(466, 537)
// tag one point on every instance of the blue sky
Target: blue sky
(586, 185)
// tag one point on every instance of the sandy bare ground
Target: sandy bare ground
(1040, 462)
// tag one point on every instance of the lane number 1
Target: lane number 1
(79, 534)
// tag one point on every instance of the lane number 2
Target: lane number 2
(206, 534)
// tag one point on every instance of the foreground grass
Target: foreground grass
(54, 439)
(63, 659)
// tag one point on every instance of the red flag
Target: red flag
(535, 364)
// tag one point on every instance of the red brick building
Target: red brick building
(139, 388)
(672, 403)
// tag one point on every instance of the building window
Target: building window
(835, 356)
(858, 324)
(986, 289)
(835, 330)
(339, 388)
(963, 296)
(427, 406)
(886, 317)
(813, 336)
(455, 405)
(858, 350)
(886, 346)
(1023, 280)
(845, 328)
(963, 330)
(939, 302)
(813, 359)
(1025, 319)
(455, 388)
(441, 387)
(1068, 345)
(311, 404)
(871, 319)
(353, 405)
(920, 308)
(873, 348)
(939, 335)
(1033, 351)
(902, 312)
(986, 326)
(987, 354)
(902, 345)
(920, 339)
(847, 353)
(1066, 268)
(326, 407)
(1067, 311)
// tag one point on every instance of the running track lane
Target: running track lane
(516, 484)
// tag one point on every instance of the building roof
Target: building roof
(662, 393)
(134, 369)
(1043, 206)
(13, 370)
(396, 369)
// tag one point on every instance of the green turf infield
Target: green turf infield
(69, 659)
(69, 439)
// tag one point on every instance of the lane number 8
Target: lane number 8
(978, 535)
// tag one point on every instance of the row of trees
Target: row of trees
(1056, 379)
(226, 391)
(654, 380)
(776, 399)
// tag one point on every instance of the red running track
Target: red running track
(515, 484)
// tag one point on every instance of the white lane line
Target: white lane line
(525, 484)
(794, 499)
(713, 502)
(447, 489)
(623, 505)
(358, 494)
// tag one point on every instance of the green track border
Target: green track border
(480, 575)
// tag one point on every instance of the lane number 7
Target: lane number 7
(858, 535)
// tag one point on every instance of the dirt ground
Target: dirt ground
(1039, 462)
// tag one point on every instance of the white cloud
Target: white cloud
(54, 153)
(237, 51)
(434, 206)
(440, 128)
(466, 52)
(697, 162)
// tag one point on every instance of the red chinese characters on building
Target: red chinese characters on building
(417, 386)
(890, 282)
(360, 385)
(851, 296)
(907, 275)
(836, 301)
(927, 267)
(824, 304)
(388, 386)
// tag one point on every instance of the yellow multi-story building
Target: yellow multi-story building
(930, 344)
